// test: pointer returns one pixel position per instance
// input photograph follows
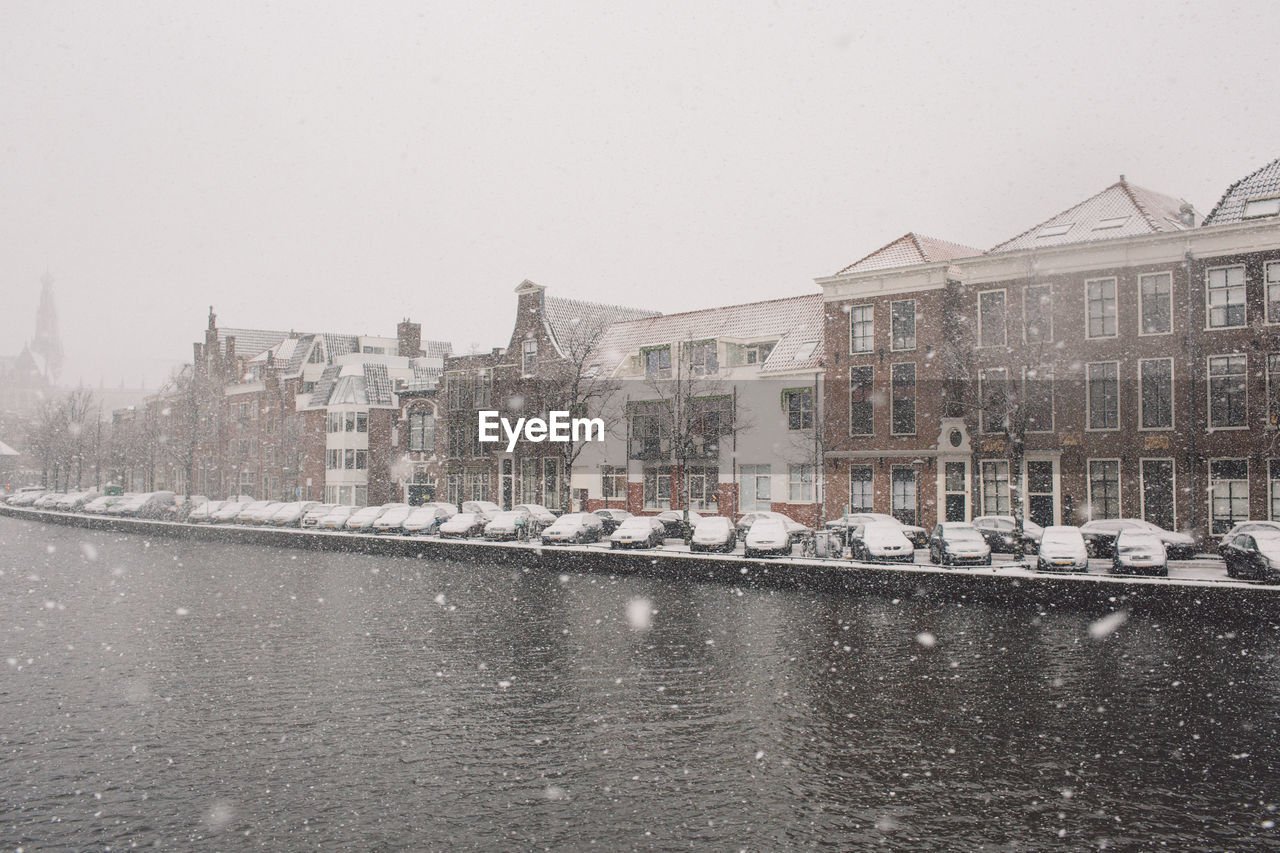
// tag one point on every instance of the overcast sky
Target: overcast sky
(338, 167)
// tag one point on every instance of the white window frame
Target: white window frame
(1004, 337)
(1115, 299)
(982, 486)
(914, 509)
(915, 396)
(800, 484)
(1208, 392)
(1142, 333)
(893, 332)
(1247, 485)
(1088, 482)
(1088, 399)
(528, 353)
(1273, 391)
(1173, 396)
(1271, 279)
(1046, 339)
(1273, 489)
(871, 484)
(871, 333)
(756, 473)
(1244, 288)
(1142, 486)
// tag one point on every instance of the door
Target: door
(956, 500)
(508, 484)
(1040, 503)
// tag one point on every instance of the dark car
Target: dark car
(673, 521)
(611, 518)
(1000, 533)
(955, 543)
(1253, 555)
(1101, 535)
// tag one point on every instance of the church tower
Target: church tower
(47, 343)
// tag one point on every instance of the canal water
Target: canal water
(192, 695)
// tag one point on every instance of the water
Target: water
(205, 696)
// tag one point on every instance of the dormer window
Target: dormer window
(758, 353)
(657, 363)
(1256, 207)
(702, 358)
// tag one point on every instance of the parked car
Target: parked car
(795, 530)
(392, 520)
(1000, 533)
(539, 515)
(1101, 535)
(336, 518)
(362, 519)
(101, 504)
(611, 518)
(956, 543)
(423, 520)
(49, 500)
(639, 531)
(673, 521)
(1247, 527)
(263, 516)
(1139, 551)
(203, 514)
(918, 535)
(507, 525)
(311, 518)
(486, 508)
(882, 542)
(450, 510)
(226, 514)
(145, 505)
(1253, 554)
(249, 512)
(25, 496)
(574, 527)
(76, 501)
(464, 525)
(768, 536)
(291, 514)
(714, 533)
(1062, 548)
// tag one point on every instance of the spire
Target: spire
(47, 342)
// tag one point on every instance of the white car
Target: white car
(392, 521)
(918, 535)
(882, 542)
(100, 505)
(1138, 550)
(506, 525)
(311, 518)
(336, 518)
(486, 508)
(76, 501)
(290, 514)
(1062, 548)
(424, 520)
(48, 501)
(464, 525)
(146, 505)
(638, 531)
(957, 543)
(794, 529)
(714, 533)
(363, 518)
(450, 510)
(538, 514)
(573, 527)
(227, 513)
(249, 512)
(203, 514)
(768, 536)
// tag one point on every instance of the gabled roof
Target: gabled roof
(573, 320)
(1262, 184)
(792, 322)
(908, 250)
(250, 342)
(1121, 210)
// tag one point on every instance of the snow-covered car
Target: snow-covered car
(768, 536)
(956, 543)
(250, 512)
(336, 518)
(391, 521)
(1000, 531)
(918, 535)
(507, 525)
(574, 527)
(673, 520)
(48, 501)
(290, 514)
(450, 510)
(1139, 551)
(539, 515)
(611, 518)
(424, 520)
(486, 508)
(882, 542)
(226, 514)
(311, 518)
(1062, 548)
(1253, 554)
(101, 504)
(262, 517)
(1247, 527)
(1101, 535)
(638, 531)
(146, 505)
(464, 525)
(362, 519)
(25, 496)
(76, 501)
(203, 514)
(714, 533)
(795, 530)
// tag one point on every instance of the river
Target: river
(194, 695)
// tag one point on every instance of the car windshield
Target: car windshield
(962, 534)
(1135, 541)
(1061, 539)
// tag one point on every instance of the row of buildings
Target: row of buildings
(1120, 358)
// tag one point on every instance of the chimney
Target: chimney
(409, 336)
(231, 353)
(1187, 214)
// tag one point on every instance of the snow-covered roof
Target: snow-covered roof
(1260, 186)
(1121, 210)
(792, 323)
(437, 349)
(6, 450)
(574, 320)
(908, 250)
(250, 342)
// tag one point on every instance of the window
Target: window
(529, 359)
(755, 481)
(478, 485)
(529, 483)
(861, 410)
(362, 421)
(657, 487)
(861, 493)
(1037, 314)
(991, 319)
(903, 413)
(994, 396)
(1273, 292)
(1273, 390)
(800, 483)
(1156, 292)
(995, 487)
(550, 482)
(904, 325)
(1100, 294)
(613, 483)
(1104, 488)
(657, 363)
(1273, 486)
(1225, 289)
(861, 328)
(758, 353)
(799, 405)
(704, 487)
(1113, 222)
(362, 460)
(1228, 396)
(360, 495)
(1229, 494)
(349, 422)
(1156, 400)
(1055, 230)
(905, 508)
(1260, 207)
(646, 430)
(1158, 492)
(349, 459)
(1038, 393)
(422, 431)
(333, 460)
(702, 358)
(453, 488)
(1103, 395)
